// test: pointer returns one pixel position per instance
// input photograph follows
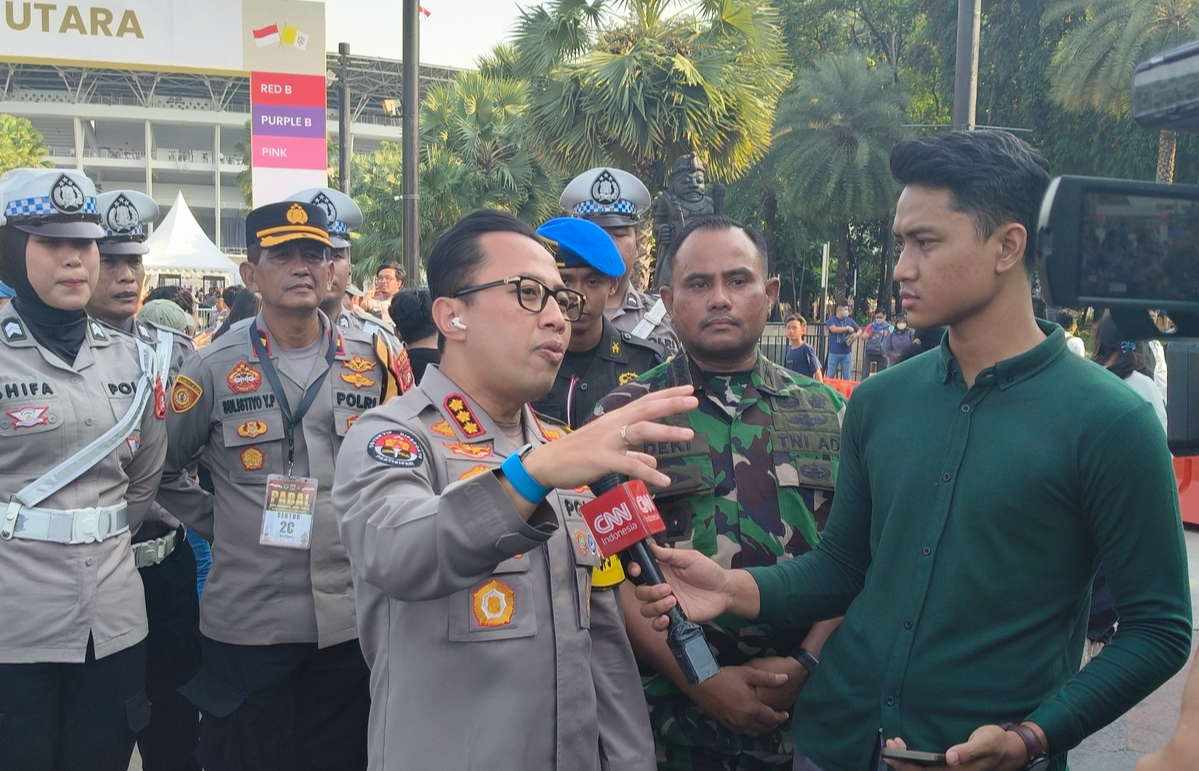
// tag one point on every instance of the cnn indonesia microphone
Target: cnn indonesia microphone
(621, 517)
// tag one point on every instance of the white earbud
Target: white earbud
(456, 323)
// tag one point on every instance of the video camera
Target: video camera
(1133, 247)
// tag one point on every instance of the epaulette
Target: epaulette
(659, 351)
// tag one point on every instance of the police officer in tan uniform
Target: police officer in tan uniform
(344, 216)
(161, 552)
(616, 200)
(82, 438)
(472, 572)
(283, 684)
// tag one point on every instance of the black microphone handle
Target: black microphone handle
(685, 638)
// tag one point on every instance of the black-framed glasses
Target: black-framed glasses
(533, 295)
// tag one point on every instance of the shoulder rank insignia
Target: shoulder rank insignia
(243, 378)
(442, 427)
(460, 411)
(186, 394)
(551, 433)
(13, 331)
(98, 331)
(493, 604)
(468, 450)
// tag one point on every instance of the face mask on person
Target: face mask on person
(901, 326)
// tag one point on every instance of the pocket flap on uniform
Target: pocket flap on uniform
(343, 419)
(250, 429)
(518, 564)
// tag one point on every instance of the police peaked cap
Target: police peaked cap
(343, 214)
(608, 197)
(278, 223)
(50, 202)
(124, 215)
(583, 244)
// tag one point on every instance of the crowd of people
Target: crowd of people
(392, 491)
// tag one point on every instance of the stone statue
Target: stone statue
(683, 200)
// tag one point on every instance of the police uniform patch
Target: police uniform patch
(605, 190)
(28, 417)
(473, 472)
(396, 448)
(359, 364)
(442, 427)
(468, 424)
(615, 348)
(585, 542)
(243, 378)
(610, 573)
(134, 445)
(251, 429)
(13, 331)
(357, 379)
(493, 604)
(98, 331)
(186, 394)
(468, 450)
(626, 377)
(265, 339)
(252, 459)
(350, 421)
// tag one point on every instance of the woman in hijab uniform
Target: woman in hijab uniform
(82, 441)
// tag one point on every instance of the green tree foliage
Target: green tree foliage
(1096, 57)
(833, 139)
(21, 145)
(635, 84)
(475, 153)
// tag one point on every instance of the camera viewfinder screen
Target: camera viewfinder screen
(1139, 248)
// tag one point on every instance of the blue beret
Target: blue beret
(583, 244)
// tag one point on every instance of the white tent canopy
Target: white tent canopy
(179, 247)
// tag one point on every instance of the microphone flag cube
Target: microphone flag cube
(622, 517)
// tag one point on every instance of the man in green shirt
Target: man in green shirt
(964, 572)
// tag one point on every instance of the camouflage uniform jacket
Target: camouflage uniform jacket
(618, 359)
(754, 487)
(629, 314)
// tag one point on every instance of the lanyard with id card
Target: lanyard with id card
(290, 503)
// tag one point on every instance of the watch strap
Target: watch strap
(806, 660)
(520, 479)
(1032, 742)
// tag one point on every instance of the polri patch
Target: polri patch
(473, 472)
(243, 378)
(185, 394)
(442, 427)
(396, 448)
(460, 411)
(358, 364)
(28, 417)
(251, 429)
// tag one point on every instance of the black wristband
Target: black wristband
(806, 660)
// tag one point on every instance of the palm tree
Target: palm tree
(1095, 59)
(475, 153)
(629, 83)
(832, 146)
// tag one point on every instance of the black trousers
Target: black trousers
(73, 717)
(290, 707)
(169, 742)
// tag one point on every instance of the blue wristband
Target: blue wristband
(526, 486)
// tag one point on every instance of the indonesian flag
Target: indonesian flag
(266, 36)
(425, 11)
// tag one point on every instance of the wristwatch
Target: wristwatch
(1038, 758)
(806, 660)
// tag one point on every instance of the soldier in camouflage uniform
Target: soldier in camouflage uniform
(752, 488)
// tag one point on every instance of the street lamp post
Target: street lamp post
(965, 78)
(410, 154)
(346, 140)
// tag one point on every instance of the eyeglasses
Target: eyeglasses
(533, 295)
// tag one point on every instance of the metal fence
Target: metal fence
(774, 345)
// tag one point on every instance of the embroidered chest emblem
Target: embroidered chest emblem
(243, 378)
(28, 417)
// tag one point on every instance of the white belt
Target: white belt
(156, 550)
(70, 526)
(650, 320)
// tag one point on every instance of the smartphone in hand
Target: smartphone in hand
(912, 756)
